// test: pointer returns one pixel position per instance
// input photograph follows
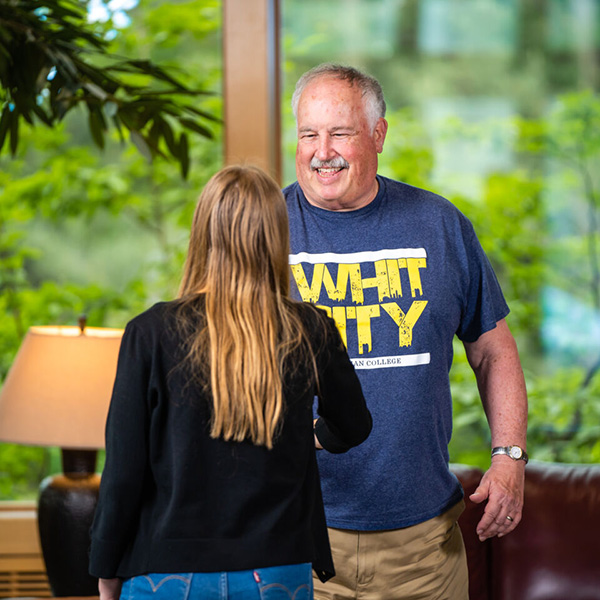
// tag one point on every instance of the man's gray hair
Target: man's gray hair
(369, 86)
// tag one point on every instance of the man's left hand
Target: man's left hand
(503, 486)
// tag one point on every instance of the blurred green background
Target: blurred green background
(492, 103)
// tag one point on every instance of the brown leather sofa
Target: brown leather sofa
(554, 553)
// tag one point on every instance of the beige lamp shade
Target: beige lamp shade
(58, 389)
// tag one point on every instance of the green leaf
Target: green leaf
(42, 115)
(169, 137)
(4, 124)
(184, 155)
(96, 127)
(129, 118)
(14, 132)
(154, 134)
(87, 74)
(117, 123)
(194, 126)
(148, 68)
(138, 139)
(202, 113)
(96, 91)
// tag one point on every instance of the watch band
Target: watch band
(514, 452)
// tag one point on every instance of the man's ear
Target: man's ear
(379, 134)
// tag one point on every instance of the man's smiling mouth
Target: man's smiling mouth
(328, 171)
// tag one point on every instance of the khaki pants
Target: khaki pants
(423, 562)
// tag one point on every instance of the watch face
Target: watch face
(516, 452)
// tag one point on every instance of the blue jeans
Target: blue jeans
(289, 582)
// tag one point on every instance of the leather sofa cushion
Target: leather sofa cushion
(554, 554)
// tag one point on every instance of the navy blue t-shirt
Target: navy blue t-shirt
(400, 277)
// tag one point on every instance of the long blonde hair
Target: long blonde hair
(238, 262)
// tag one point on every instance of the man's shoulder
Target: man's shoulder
(394, 194)
(420, 200)
(406, 191)
(291, 190)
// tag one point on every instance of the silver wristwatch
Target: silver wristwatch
(515, 452)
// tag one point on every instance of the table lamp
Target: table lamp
(57, 393)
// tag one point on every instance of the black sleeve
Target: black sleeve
(126, 456)
(344, 419)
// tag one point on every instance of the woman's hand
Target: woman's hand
(110, 589)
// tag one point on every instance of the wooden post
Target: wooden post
(251, 83)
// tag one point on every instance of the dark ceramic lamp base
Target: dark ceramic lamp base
(66, 509)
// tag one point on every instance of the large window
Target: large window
(493, 104)
(102, 233)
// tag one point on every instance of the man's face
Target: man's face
(336, 156)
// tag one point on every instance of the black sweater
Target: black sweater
(172, 499)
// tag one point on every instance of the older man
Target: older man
(401, 272)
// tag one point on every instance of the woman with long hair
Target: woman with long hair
(210, 487)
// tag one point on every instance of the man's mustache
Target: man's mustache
(335, 163)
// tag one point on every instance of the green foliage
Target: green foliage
(470, 441)
(101, 233)
(528, 224)
(539, 225)
(509, 220)
(572, 133)
(408, 154)
(569, 141)
(52, 61)
(20, 467)
(564, 421)
(104, 233)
